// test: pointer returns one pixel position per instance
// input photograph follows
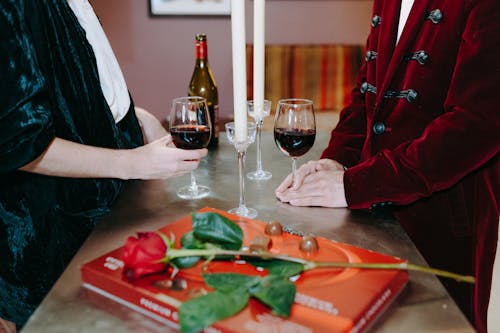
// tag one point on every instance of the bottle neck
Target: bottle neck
(201, 50)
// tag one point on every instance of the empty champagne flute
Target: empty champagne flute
(241, 148)
(258, 113)
(294, 128)
(190, 128)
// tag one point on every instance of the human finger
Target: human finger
(188, 165)
(303, 172)
(306, 201)
(194, 154)
(169, 141)
(291, 194)
(285, 184)
(328, 164)
(165, 141)
(313, 185)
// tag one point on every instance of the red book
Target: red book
(327, 299)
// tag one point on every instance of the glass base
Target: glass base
(259, 175)
(189, 192)
(244, 212)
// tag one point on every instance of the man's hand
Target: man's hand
(317, 183)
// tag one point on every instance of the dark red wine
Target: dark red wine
(190, 136)
(294, 142)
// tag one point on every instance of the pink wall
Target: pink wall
(157, 53)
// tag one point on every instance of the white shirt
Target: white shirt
(111, 77)
(403, 16)
(494, 306)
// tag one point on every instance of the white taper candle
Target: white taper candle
(258, 56)
(239, 69)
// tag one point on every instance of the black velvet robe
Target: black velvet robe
(49, 86)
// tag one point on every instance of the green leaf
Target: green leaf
(189, 241)
(227, 282)
(276, 292)
(185, 262)
(278, 267)
(203, 311)
(215, 228)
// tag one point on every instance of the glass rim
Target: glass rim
(232, 124)
(252, 102)
(192, 99)
(295, 101)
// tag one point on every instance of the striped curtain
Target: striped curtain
(323, 73)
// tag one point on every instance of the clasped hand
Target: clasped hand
(317, 183)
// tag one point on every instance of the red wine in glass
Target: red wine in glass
(294, 142)
(190, 128)
(294, 128)
(190, 136)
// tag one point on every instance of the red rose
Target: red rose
(142, 255)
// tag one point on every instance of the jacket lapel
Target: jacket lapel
(387, 39)
(389, 64)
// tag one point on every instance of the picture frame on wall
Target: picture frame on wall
(189, 7)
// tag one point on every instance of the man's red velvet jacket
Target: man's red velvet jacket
(422, 134)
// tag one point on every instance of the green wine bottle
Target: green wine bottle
(203, 84)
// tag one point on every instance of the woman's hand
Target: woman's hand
(317, 183)
(156, 160)
(160, 159)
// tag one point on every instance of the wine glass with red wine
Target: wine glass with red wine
(190, 128)
(294, 128)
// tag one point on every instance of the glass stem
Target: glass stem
(259, 151)
(294, 169)
(241, 168)
(194, 186)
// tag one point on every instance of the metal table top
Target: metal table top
(423, 306)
